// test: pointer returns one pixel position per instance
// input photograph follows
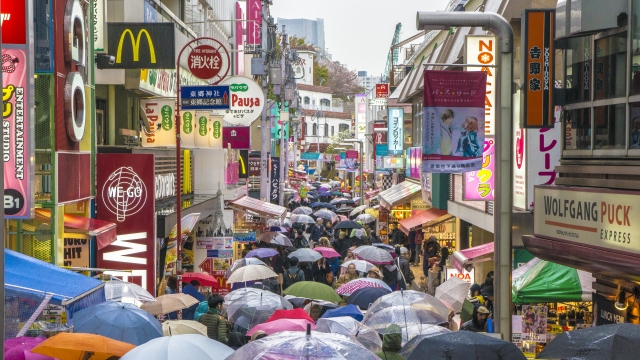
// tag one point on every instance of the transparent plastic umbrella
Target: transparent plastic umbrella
(302, 210)
(302, 219)
(346, 325)
(358, 209)
(117, 290)
(277, 239)
(373, 254)
(290, 345)
(411, 310)
(453, 292)
(325, 214)
(242, 263)
(365, 218)
(306, 255)
(188, 346)
(254, 308)
(237, 294)
(361, 265)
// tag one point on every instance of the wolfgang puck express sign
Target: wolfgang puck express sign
(606, 219)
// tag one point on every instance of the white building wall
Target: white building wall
(303, 68)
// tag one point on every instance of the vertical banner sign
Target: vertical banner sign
(17, 111)
(395, 134)
(202, 128)
(125, 196)
(275, 180)
(254, 22)
(254, 166)
(453, 121)
(479, 185)
(537, 60)
(361, 116)
(480, 50)
(99, 9)
(215, 142)
(239, 39)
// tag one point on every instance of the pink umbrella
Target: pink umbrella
(327, 252)
(282, 325)
(355, 285)
(20, 349)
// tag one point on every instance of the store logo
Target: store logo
(74, 52)
(135, 44)
(143, 46)
(124, 193)
(4, 17)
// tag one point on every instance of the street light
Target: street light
(361, 158)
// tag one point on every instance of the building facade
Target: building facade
(311, 30)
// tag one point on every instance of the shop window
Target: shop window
(315, 129)
(326, 130)
(325, 102)
(610, 126)
(332, 130)
(635, 49)
(577, 70)
(634, 126)
(577, 126)
(610, 66)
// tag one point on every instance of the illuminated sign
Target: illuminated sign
(142, 45)
(481, 50)
(395, 132)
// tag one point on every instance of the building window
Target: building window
(332, 130)
(610, 66)
(325, 102)
(577, 70)
(635, 49)
(326, 130)
(577, 126)
(343, 127)
(306, 100)
(315, 129)
(610, 126)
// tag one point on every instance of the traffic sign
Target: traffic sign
(204, 97)
(382, 90)
(206, 265)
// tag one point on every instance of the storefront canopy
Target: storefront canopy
(105, 232)
(472, 255)
(423, 217)
(399, 194)
(259, 207)
(540, 281)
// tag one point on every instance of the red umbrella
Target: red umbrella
(327, 252)
(203, 278)
(290, 314)
(282, 325)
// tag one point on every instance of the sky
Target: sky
(358, 33)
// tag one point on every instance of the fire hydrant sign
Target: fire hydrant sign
(204, 97)
(246, 100)
(209, 62)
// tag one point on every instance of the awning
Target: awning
(472, 255)
(372, 193)
(104, 231)
(259, 207)
(422, 217)
(399, 194)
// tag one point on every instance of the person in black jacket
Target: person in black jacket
(478, 322)
(342, 244)
(403, 264)
(320, 270)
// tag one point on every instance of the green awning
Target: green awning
(542, 281)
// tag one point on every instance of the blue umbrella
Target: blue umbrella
(349, 310)
(118, 321)
(322, 205)
(366, 296)
(262, 253)
(276, 229)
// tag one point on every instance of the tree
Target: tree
(337, 140)
(320, 74)
(342, 81)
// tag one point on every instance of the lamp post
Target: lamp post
(361, 169)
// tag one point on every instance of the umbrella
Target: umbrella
(203, 278)
(411, 310)
(169, 303)
(343, 210)
(313, 290)
(298, 314)
(239, 293)
(282, 325)
(289, 345)
(311, 196)
(463, 345)
(453, 292)
(358, 209)
(373, 255)
(346, 194)
(255, 307)
(322, 205)
(352, 328)
(73, 346)
(262, 253)
(325, 214)
(182, 327)
(364, 297)
(614, 341)
(117, 321)
(188, 346)
(20, 348)
(361, 265)
(337, 193)
(241, 263)
(276, 229)
(348, 310)
(281, 240)
(251, 273)
(385, 246)
(117, 290)
(302, 219)
(365, 218)
(302, 210)
(306, 255)
(335, 201)
(324, 193)
(355, 285)
(326, 252)
(376, 281)
(349, 224)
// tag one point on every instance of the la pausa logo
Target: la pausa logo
(243, 101)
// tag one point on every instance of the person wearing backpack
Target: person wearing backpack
(293, 274)
(390, 275)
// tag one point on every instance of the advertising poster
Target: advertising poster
(534, 323)
(160, 114)
(479, 185)
(188, 223)
(453, 121)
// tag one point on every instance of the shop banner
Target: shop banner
(125, 196)
(275, 181)
(239, 35)
(237, 137)
(479, 185)
(351, 154)
(453, 121)
(201, 129)
(76, 250)
(534, 323)
(395, 132)
(480, 50)
(247, 100)
(254, 166)
(605, 311)
(187, 135)
(215, 142)
(254, 22)
(160, 114)
(186, 246)
(361, 116)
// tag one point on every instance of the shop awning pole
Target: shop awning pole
(502, 204)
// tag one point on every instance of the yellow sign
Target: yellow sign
(136, 45)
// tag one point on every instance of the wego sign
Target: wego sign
(124, 193)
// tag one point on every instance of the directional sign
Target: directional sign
(204, 97)
(206, 265)
(378, 102)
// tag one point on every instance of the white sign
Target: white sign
(247, 100)
(124, 193)
(202, 128)
(481, 50)
(215, 142)
(395, 137)
(76, 250)
(187, 131)
(165, 185)
(99, 12)
(468, 276)
(161, 116)
(604, 218)
(378, 102)
(426, 187)
(390, 162)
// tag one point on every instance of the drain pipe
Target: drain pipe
(502, 204)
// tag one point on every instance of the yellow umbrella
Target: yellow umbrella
(80, 346)
(372, 212)
(180, 327)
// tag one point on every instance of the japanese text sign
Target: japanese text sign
(206, 62)
(382, 90)
(204, 97)
(479, 185)
(237, 137)
(274, 190)
(246, 100)
(480, 50)
(254, 166)
(351, 154)
(395, 132)
(537, 68)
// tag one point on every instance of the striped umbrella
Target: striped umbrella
(355, 285)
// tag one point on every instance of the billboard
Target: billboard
(395, 131)
(453, 121)
(246, 100)
(125, 191)
(479, 185)
(141, 45)
(237, 137)
(274, 189)
(480, 50)
(254, 22)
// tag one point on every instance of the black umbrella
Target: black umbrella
(343, 209)
(348, 224)
(366, 296)
(615, 341)
(461, 345)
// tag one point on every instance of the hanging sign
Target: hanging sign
(395, 132)
(479, 185)
(246, 100)
(204, 97)
(275, 181)
(453, 121)
(480, 50)
(382, 90)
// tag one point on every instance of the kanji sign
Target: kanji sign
(205, 62)
(204, 97)
(274, 196)
(382, 90)
(254, 166)
(480, 50)
(395, 133)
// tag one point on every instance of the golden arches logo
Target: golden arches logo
(136, 45)
(243, 167)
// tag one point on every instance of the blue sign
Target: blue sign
(309, 156)
(204, 97)
(150, 13)
(382, 150)
(242, 237)
(343, 155)
(395, 135)
(212, 253)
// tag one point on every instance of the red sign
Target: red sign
(254, 22)
(239, 137)
(254, 166)
(205, 62)
(382, 90)
(378, 137)
(125, 195)
(14, 22)
(352, 154)
(206, 265)
(239, 40)
(224, 287)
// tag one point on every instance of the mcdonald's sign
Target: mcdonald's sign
(141, 45)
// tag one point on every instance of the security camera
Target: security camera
(105, 60)
(112, 60)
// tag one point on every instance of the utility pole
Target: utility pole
(283, 164)
(265, 124)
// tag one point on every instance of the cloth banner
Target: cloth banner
(453, 121)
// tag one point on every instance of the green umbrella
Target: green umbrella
(467, 311)
(337, 193)
(313, 290)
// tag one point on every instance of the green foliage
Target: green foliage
(336, 140)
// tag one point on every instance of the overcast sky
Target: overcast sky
(359, 32)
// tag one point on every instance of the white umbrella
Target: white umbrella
(373, 254)
(242, 263)
(169, 303)
(302, 210)
(251, 273)
(189, 346)
(242, 292)
(255, 307)
(301, 218)
(275, 238)
(365, 218)
(358, 209)
(306, 255)
(181, 327)
(325, 214)
(361, 265)
(346, 325)
(117, 290)
(453, 292)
